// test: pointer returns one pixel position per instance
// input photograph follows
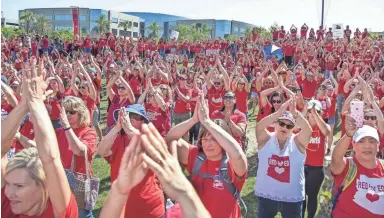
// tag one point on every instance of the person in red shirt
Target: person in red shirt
(235, 119)
(157, 109)
(288, 52)
(76, 139)
(136, 81)
(312, 34)
(88, 44)
(216, 87)
(320, 33)
(215, 145)
(53, 101)
(45, 191)
(45, 44)
(275, 34)
(282, 33)
(240, 87)
(293, 31)
(303, 31)
(24, 138)
(132, 172)
(315, 151)
(348, 33)
(363, 196)
(309, 85)
(182, 95)
(146, 198)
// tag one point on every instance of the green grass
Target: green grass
(101, 168)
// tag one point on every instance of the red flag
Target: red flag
(75, 18)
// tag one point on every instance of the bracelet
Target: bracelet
(66, 129)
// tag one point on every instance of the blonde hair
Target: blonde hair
(29, 159)
(71, 103)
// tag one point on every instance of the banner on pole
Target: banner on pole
(75, 18)
(338, 30)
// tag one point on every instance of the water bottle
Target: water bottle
(169, 204)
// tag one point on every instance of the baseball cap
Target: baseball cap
(133, 108)
(15, 83)
(287, 116)
(315, 103)
(364, 132)
(229, 94)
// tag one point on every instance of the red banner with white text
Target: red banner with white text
(75, 18)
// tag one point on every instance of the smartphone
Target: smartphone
(357, 112)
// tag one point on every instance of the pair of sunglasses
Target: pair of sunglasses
(83, 87)
(136, 117)
(71, 112)
(228, 97)
(276, 101)
(282, 124)
(121, 88)
(370, 118)
(217, 83)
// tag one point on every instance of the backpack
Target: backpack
(348, 179)
(223, 177)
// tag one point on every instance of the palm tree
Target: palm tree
(28, 17)
(205, 30)
(102, 25)
(125, 25)
(248, 32)
(154, 28)
(42, 25)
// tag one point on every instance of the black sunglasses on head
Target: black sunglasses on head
(282, 124)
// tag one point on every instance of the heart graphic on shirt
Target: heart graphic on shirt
(372, 197)
(279, 170)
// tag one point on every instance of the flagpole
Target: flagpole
(322, 13)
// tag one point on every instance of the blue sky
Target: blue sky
(357, 13)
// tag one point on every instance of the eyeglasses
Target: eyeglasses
(370, 117)
(136, 117)
(282, 124)
(164, 89)
(83, 87)
(70, 113)
(228, 97)
(208, 140)
(121, 88)
(217, 83)
(276, 101)
(268, 83)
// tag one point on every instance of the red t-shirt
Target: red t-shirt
(288, 50)
(241, 100)
(88, 43)
(87, 136)
(146, 200)
(309, 88)
(45, 43)
(264, 111)
(332, 108)
(213, 193)
(316, 148)
(28, 131)
(181, 106)
(53, 102)
(91, 105)
(193, 103)
(71, 211)
(215, 99)
(364, 196)
(159, 118)
(135, 84)
(236, 117)
(115, 105)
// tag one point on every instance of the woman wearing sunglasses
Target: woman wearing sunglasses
(281, 162)
(122, 98)
(86, 91)
(240, 87)
(34, 182)
(217, 85)
(76, 139)
(182, 95)
(214, 146)
(314, 162)
(146, 199)
(158, 112)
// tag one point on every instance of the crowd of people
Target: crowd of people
(180, 107)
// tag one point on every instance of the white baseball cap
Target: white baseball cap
(315, 103)
(364, 132)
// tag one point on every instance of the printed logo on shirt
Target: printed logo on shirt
(152, 115)
(370, 194)
(279, 168)
(217, 100)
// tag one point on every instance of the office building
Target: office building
(155, 17)
(218, 28)
(61, 18)
(9, 22)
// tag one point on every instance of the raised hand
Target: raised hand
(203, 109)
(350, 126)
(164, 163)
(63, 118)
(132, 168)
(34, 85)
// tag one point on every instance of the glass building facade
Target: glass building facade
(152, 17)
(94, 14)
(223, 28)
